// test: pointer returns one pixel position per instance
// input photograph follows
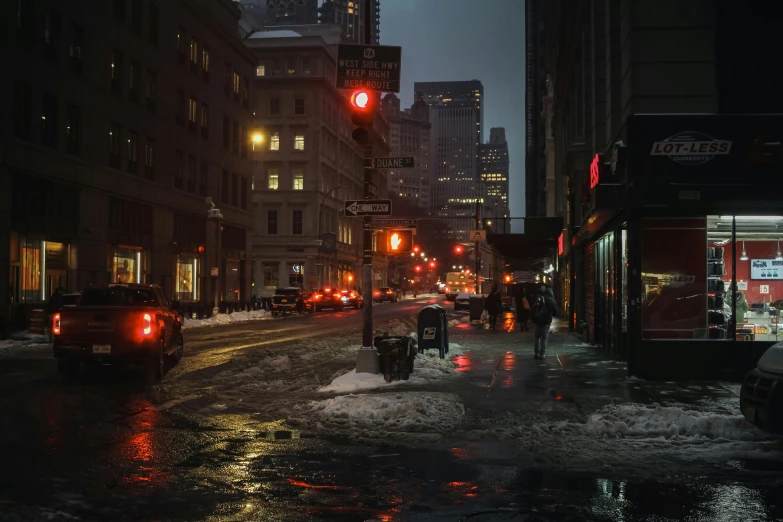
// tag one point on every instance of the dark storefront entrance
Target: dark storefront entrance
(684, 282)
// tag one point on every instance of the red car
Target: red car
(118, 323)
(352, 298)
(328, 298)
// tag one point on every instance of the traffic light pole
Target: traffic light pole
(367, 357)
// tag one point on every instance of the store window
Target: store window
(31, 290)
(270, 276)
(674, 279)
(127, 265)
(186, 287)
(232, 292)
(751, 257)
(296, 272)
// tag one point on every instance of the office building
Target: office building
(409, 136)
(349, 14)
(456, 117)
(536, 193)
(307, 167)
(493, 171)
(126, 117)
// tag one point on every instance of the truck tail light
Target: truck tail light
(146, 324)
(56, 324)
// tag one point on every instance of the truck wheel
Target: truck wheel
(68, 368)
(156, 364)
(180, 348)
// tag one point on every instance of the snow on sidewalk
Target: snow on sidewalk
(378, 415)
(25, 343)
(427, 367)
(235, 317)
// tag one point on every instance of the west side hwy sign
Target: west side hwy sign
(371, 67)
(368, 207)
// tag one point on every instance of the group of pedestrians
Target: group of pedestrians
(541, 312)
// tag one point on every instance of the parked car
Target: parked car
(384, 294)
(118, 323)
(352, 298)
(328, 298)
(462, 301)
(761, 395)
(285, 301)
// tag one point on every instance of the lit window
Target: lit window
(274, 143)
(274, 179)
(205, 59)
(192, 110)
(260, 70)
(193, 51)
(236, 82)
(298, 179)
(299, 142)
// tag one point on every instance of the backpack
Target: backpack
(539, 312)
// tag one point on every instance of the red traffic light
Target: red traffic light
(432, 264)
(200, 249)
(360, 99)
(418, 268)
(416, 248)
(458, 249)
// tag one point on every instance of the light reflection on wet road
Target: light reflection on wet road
(105, 448)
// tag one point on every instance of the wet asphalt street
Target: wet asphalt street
(226, 438)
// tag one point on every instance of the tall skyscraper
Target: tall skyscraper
(409, 136)
(493, 168)
(350, 15)
(535, 90)
(456, 115)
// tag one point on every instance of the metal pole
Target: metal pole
(216, 308)
(478, 249)
(367, 261)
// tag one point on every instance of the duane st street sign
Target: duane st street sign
(368, 207)
(394, 163)
(371, 67)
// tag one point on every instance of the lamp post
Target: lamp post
(320, 218)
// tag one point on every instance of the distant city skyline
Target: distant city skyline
(450, 40)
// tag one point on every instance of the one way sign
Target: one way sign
(368, 207)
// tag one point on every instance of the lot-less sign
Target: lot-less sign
(371, 67)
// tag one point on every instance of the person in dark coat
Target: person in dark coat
(542, 312)
(523, 309)
(493, 306)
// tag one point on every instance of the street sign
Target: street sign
(478, 235)
(372, 189)
(371, 67)
(368, 207)
(394, 223)
(406, 162)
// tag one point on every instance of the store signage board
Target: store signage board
(766, 269)
(595, 171)
(371, 67)
(691, 148)
(368, 207)
(403, 162)
(742, 285)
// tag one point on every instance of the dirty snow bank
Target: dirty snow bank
(632, 420)
(236, 317)
(24, 343)
(427, 367)
(389, 412)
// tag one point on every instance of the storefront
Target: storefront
(688, 277)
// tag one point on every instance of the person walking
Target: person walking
(523, 309)
(542, 312)
(493, 306)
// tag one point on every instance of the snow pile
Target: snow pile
(25, 343)
(632, 420)
(389, 412)
(427, 368)
(236, 317)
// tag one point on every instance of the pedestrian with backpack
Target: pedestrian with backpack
(543, 310)
(493, 305)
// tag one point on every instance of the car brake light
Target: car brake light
(147, 324)
(56, 324)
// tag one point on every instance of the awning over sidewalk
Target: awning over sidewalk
(529, 250)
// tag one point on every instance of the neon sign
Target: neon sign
(560, 244)
(594, 171)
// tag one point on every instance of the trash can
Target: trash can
(433, 330)
(476, 307)
(395, 357)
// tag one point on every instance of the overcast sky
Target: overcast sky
(446, 40)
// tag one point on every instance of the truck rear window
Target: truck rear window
(118, 296)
